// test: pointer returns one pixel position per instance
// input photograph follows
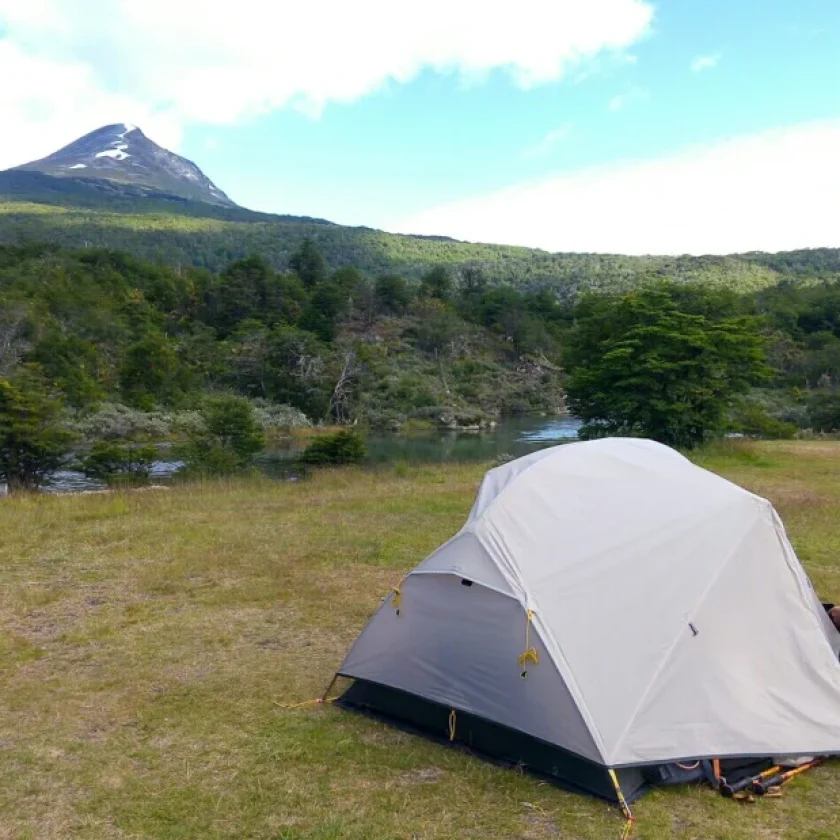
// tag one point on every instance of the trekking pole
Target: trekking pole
(742, 784)
(761, 786)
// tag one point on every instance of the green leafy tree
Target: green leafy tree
(230, 439)
(437, 330)
(392, 294)
(328, 304)
(32, 443)
(150, 372)
(308, 263)
(660, 363)
(437, 283)
(232, 422)
(71, 363)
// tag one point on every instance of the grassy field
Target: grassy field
(147, 641)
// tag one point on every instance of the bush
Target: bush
(114, 421)
(344, 447)
(279, 416)
(117, 463)
(824, 411)
(752, 420)
(229, 441)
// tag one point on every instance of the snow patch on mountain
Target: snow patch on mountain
(118, 154)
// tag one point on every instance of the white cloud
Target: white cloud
(705, 62)
(549, 141)
(625, 100)
(176, 62)
(50, 102)
(770, 191)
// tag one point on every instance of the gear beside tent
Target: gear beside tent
(597, 620)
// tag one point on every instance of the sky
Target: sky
(620, 126)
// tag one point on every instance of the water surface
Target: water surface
(513, 436)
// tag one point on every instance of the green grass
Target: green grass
(147, 641)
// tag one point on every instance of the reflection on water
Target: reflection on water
(68, 481)
(515, 436)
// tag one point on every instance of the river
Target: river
(514, 436)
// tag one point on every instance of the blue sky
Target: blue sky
(608, 125)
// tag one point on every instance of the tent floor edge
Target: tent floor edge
(491, 741)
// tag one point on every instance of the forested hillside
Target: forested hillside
(339, 346)
(182, 233)
(343, 345)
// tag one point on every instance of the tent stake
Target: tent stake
(329, 689)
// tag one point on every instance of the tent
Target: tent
(608, 608)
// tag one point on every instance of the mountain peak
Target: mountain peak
(123, 154)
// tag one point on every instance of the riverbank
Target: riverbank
(147, 639)
(418, 444)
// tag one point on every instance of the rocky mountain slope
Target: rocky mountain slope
(122, 155)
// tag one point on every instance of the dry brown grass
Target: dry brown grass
(146, 641)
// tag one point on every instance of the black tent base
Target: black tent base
(492, 741)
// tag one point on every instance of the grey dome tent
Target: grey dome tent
(608, 607)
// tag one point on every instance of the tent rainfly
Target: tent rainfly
(608, 610)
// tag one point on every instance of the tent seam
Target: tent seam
(545, 635)
(667, 657)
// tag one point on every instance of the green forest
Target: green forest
(180, 233)
(306, 323)
(342, 346)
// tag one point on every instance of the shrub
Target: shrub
(114, 421)
(229, 441)
(824, 411)
(752, 420)
(279, 416)
(117, 463)
(344, 447)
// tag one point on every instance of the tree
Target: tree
(150, 372)
(392, 294)
(308, 263)
(645, 364)
(298, 361)
(437, 283)
(327, 306)
(32, 444)
(473, 280)
(70, 362)
(230, 439)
